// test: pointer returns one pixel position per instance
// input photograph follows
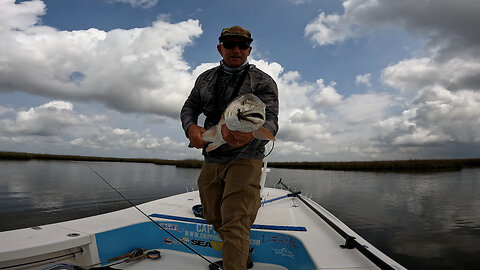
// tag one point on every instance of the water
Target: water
(42, 192)
(423, 221)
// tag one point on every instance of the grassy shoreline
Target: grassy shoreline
(431, 165)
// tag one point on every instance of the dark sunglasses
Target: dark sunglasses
(242, 45)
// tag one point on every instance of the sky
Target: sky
(357, 79)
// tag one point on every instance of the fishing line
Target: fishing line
(92, 191)
(147, 216)
(229, 163)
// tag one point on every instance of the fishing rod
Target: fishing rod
(151, 219)
(350, 242)
(293, 194)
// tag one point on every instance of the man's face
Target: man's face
(234, 51)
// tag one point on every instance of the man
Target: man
(229, 180)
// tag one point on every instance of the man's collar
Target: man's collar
(232, 70)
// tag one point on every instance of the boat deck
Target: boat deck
(286, 235)
(170, 259)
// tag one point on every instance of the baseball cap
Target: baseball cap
(235, 31)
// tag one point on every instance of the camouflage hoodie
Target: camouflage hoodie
(202, 100)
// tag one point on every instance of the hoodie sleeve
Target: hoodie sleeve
(192, 108)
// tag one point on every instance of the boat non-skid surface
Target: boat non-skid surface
(170, 260)
(288, 235)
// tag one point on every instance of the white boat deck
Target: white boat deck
(104, 236)
(170, 259)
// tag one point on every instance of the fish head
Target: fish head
(245, 113)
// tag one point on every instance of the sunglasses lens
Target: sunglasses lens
(232, 44)
(243, 46)
(228, 45)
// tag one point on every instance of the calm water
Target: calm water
(424, 221)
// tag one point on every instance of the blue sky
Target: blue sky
(358, 79)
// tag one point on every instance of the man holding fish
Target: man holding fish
(240, 103)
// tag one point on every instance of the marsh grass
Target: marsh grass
(412, 165)
(29, 156)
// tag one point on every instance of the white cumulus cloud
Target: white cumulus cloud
(438, 108)
(364, 79)
(328, 29)
(141, 73)
(57, 124)
(135, 70)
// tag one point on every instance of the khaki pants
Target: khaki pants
(230, 196)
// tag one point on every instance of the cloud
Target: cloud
(143, 70)
(364, 79)
(454, 74)
(135, 70)
(5, 110)
(328, 29)
(299, 2)
(21, 16)
(452, 42)
(436, 116)
(46, 120)
(138, 3)
(452, 51)
(57, 125)
(364, 109)
(433, 110)
(444, 22)
(285, 149)
(307, 115)
(302, 103)
(437, 106)
(327, 95)
(318, 123)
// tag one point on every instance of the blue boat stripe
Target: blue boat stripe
(254, 226)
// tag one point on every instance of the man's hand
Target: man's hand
(195, 136)
(236, 138)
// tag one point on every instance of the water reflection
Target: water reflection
(40, 192)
